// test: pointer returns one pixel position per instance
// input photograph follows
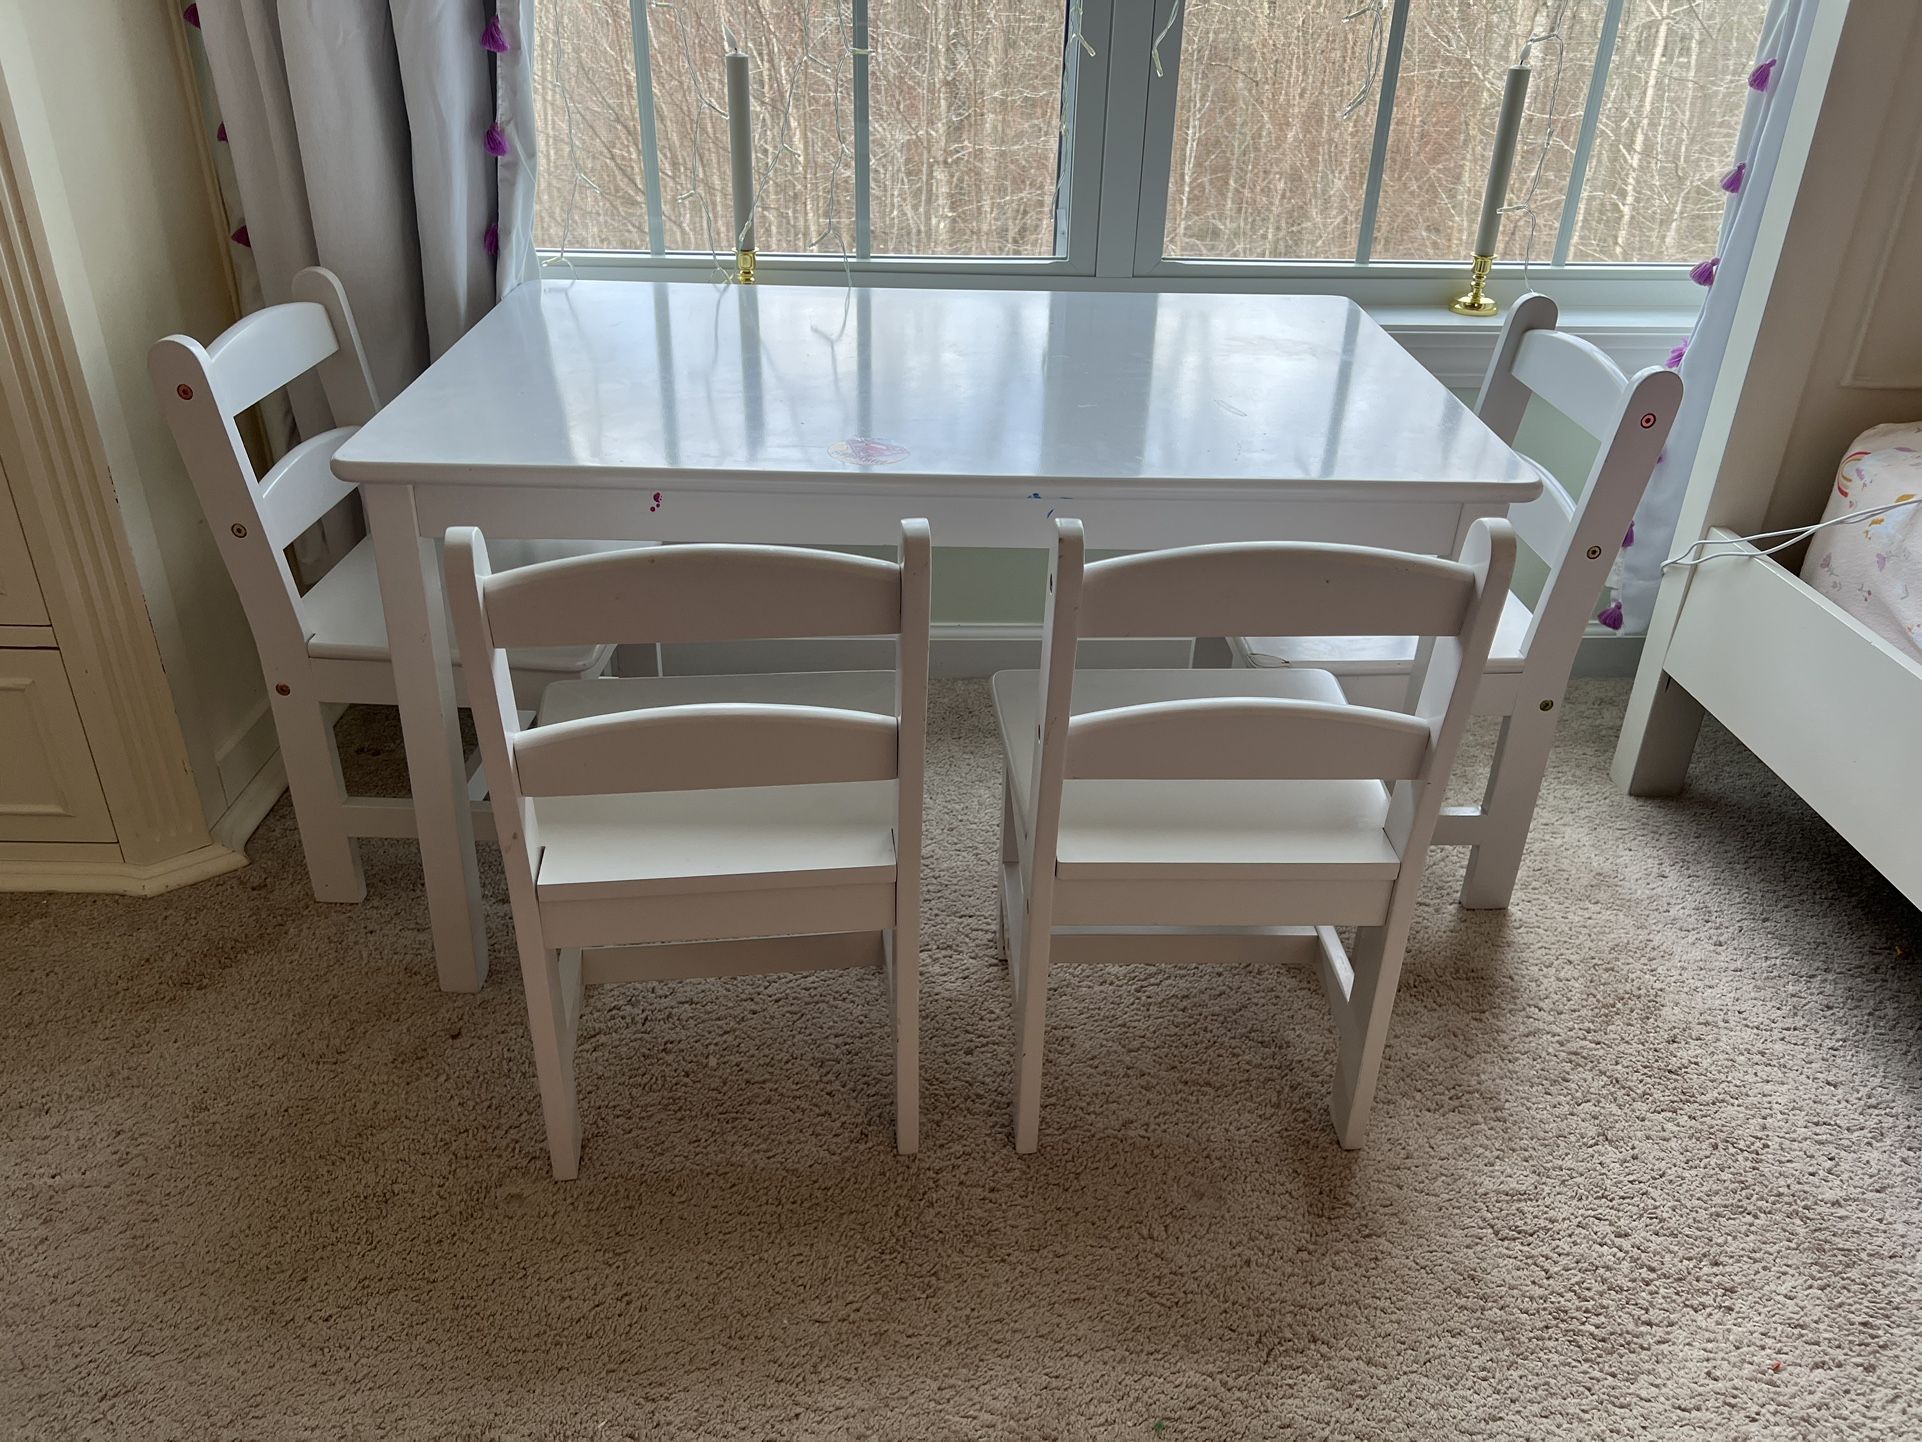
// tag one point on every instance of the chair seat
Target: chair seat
(345, 622)
(737, 839)
(1394, 655)
(748, 838)
(1235, 830)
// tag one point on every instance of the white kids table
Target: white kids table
(675, 411)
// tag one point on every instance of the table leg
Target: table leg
(430, 727)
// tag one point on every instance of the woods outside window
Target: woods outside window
(1320, 144)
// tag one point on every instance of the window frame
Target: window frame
(1111, 206)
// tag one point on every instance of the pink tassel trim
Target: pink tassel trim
(1732, 182)
(240, 237)
(491, 240)
(1612, 617)
(191, 15)
(1704, 272)
(496, 141)
(1675, 356)
(221, 134)
(1758, 78)
(1629, 539)
(494, 38)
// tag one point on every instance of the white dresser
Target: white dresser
(49, 790)
(135, 746)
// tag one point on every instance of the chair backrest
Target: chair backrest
(203, 389)
(688, 593)
(1627, 416)
(1280, 588)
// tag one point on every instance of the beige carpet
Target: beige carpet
(1647, 1161)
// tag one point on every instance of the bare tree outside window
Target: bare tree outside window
(1274, 124)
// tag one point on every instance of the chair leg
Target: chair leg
(1508, 808)
(553, 1012)
(1010, 857)
(1010, 846)
(1375, 963)
(1351, 1105)
(904, 975)
(312, 759)
(1358, 1063)
(1031, 1015)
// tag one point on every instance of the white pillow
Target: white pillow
(1873, 570)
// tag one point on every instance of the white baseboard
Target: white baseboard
(240, 757)
(237, 824)
(120, 877)
(1605, 653)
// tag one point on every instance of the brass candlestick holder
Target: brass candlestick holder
(1477, 301)
(744, 266)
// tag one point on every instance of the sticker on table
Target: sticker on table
(866, 451)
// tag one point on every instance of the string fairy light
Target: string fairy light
(1076, 35)
(557, 77)
(1154, 51)
(1696, 553)
(1377, 53)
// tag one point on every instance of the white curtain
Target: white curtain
(1784, 42)
(391, 141)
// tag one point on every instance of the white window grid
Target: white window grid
(1111, 201)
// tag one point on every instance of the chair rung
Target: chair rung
(1196, 946)
(751, 956)
(392, 818)
(1338, 981)
(1460, 826)
(385, 816)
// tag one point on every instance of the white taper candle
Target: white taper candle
(740, 136)
(1508, 131)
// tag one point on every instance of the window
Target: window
(1308, 141)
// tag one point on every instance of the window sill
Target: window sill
(1456, 348)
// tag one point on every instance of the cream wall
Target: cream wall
(118, 172)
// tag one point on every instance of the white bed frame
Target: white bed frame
(1824, 344)
(1831, 707)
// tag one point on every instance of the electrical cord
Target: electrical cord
(1793, 533)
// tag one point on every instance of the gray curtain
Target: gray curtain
(391, 141)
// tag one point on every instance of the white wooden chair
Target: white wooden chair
(683, 826)
(1528, 668)
(1233, 815)
(326, 648)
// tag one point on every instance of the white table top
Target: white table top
(764, 388)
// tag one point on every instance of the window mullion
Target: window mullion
(1090, 27)
(1384, 122)
(1158, 130)
(1122, 121)
(650, 144)
(1591, 122)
